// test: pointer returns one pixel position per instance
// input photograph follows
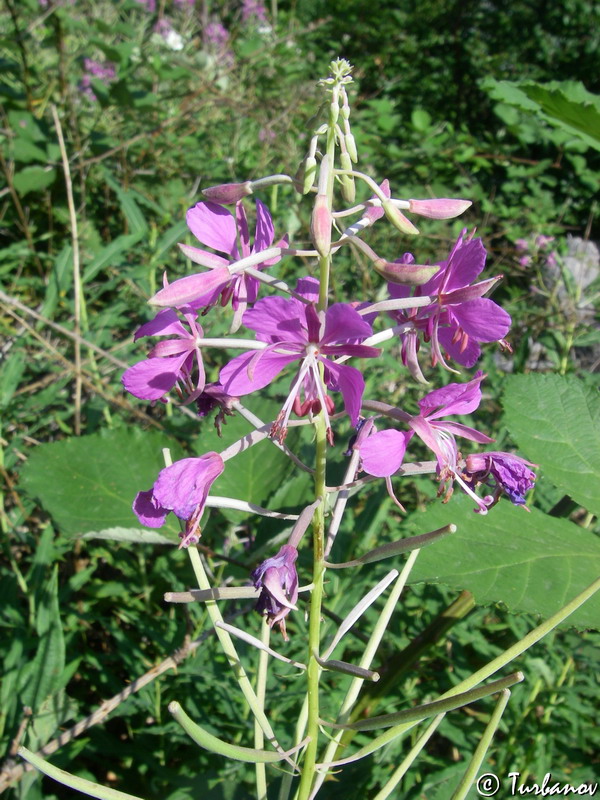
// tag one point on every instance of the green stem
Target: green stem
(314, 626)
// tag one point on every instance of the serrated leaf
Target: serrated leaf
(555, 421)
(95, 478)
(532, 562)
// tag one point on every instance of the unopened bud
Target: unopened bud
(439, 208)
(405, 274)
(320, 225)
(334, 112)
(351, 147)
(347, 181)
(310, 170)
(397, 218)
(228, 192)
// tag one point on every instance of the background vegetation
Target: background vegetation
(146, 127)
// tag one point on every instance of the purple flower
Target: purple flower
(253, 11)
(504, 472)
(170, 362)
(382, 452)
(278, 580)
(295, 331)
(461, 317)
(215, 226)
(101, 71)
(181, 488)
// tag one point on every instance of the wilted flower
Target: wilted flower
(504, 472)
(181, 488)
(295, 331)
(278, 581)
(214, 396)
(170, 362)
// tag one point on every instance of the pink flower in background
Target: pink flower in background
(96, 70)
(253, 11)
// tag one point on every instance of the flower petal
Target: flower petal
(265, 232)
(189, 289)
(277, 319)
(165, 323)
(214, 226)
(455, 398)
(382, 453)
(152, 378)
(350, 382)
(344, 324)
(482, 319)
(234, 376)
(148, 511)
(184, 485)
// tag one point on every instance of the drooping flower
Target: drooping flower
(278, 581)
(460, 318)
(506, 473)
(295, 331)
(171, 362)
(215, 226)
(382, 453)
(181, 488)
(214, 396)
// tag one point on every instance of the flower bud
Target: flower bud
(278, 581)
(351, 147)
(334, 112)
(404, 273)
(310, 170)
(397, 218)
(228, 192)
(347, 181)
(439, 208)
(320, 225)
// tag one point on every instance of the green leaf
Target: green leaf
(33, 179)
(59, 281)
(95, 478)
(555, 421)
(129, 207)
(45, 671)
(108, 255)
(532, 562)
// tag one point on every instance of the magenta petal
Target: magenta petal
(172, 347)
(382, 453)
(234, 376)
(152, 378)
(184, 485)
(471, 292)
(203, 257)
(277, 319)
(165, 323)
(149, 513)
(214, 226)
(348, 381)
(467, 357)
(265, 232)
(344, 324)
(458, 429)
(482, 319)
(308, 288)
(189, 289)
(466, 264)
(456, 398)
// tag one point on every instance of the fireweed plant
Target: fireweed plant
(437, 314)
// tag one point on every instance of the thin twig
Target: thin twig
(76, 268)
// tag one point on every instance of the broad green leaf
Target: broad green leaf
(555, 421)
(89, 483)
(33, 179)
(532, 562)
